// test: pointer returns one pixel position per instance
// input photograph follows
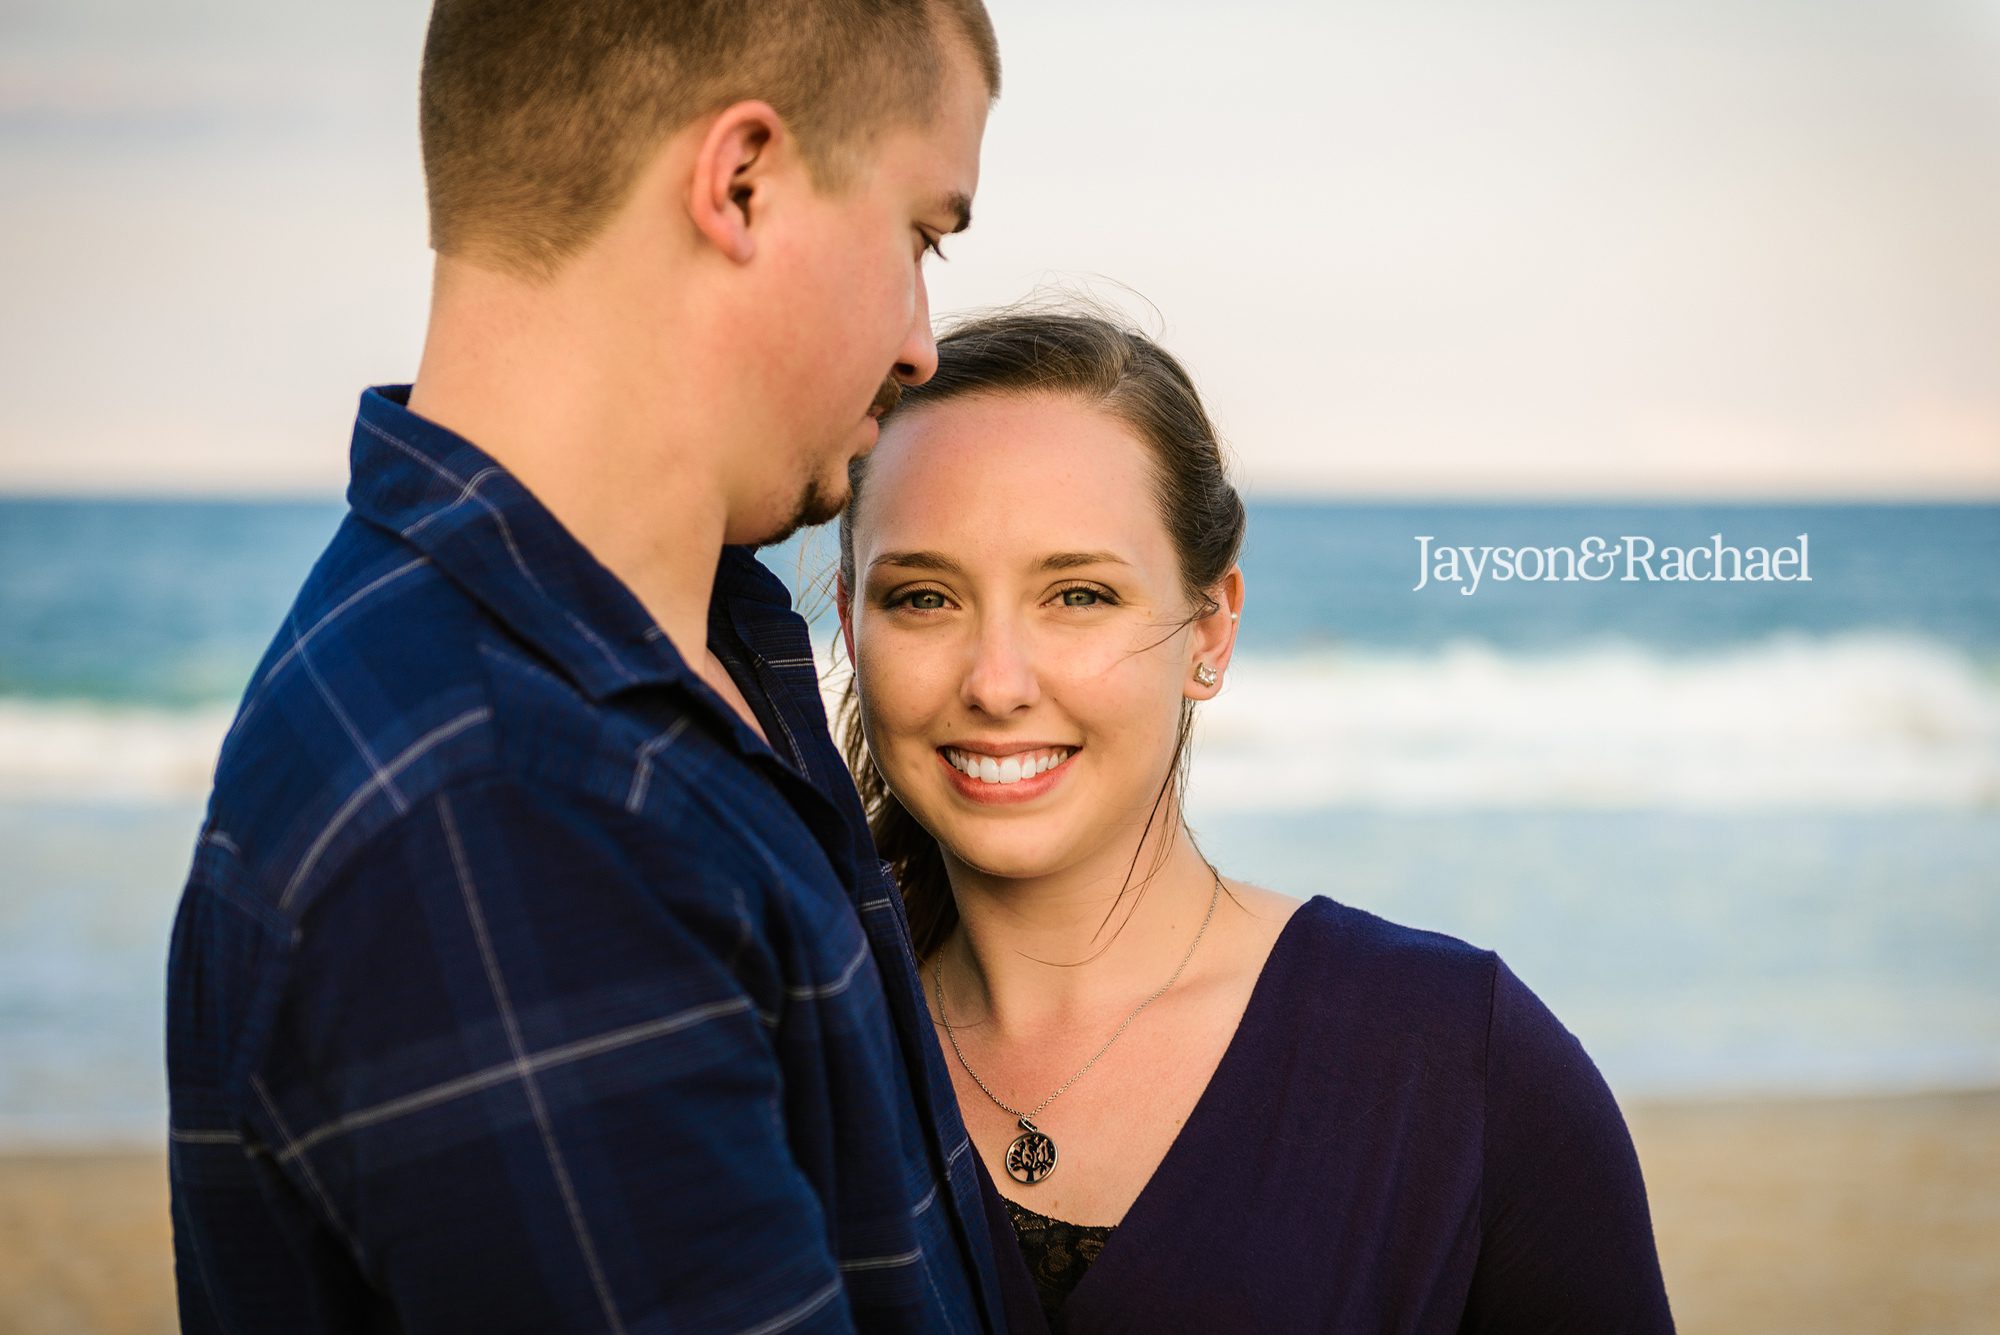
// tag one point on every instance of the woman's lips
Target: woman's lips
(1004, 780)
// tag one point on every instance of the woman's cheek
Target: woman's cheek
(1084, 655)
(1117, 679)
(1131, 709)
(895, 682)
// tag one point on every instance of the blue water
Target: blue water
(156, 602)
(171, 602)
(1742, 837)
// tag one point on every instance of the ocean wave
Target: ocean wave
(60, 750)
(1862, 721)
(1859, 721)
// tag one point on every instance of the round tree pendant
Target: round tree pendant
(1032, 1156)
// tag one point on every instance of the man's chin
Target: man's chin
(817, 505)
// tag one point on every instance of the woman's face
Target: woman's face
(1018, 630)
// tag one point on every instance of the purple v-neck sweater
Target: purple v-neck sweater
(1399, 1138)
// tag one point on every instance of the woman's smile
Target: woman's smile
(1020, 774)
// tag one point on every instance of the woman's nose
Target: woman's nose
(1001, 677)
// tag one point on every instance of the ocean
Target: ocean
(1744, 838)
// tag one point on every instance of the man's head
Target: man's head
(742, 190)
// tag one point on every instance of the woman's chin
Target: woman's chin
(1013, 858)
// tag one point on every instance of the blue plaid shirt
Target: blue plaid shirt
(519, 986)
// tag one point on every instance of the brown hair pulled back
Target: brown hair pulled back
(1094, 359)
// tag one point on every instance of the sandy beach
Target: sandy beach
(1829, 1216)
(1833, 1216)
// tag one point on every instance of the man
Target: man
(535, 971)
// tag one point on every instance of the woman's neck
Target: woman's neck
(1033, 957)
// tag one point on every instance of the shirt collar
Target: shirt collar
(742, 576)
(487, 532)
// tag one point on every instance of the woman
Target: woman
(1203, 1106)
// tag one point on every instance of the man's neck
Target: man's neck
(541, 394)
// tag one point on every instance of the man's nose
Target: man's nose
(917, 359)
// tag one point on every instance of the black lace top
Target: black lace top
(1057, 1252)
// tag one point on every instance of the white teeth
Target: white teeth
(1008, 769)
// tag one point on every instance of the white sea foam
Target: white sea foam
(72, 751)
(1860, 721)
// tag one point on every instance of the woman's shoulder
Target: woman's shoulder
(1332, 943)
(1358, 977)
(1344, 981)
(1360, 1019)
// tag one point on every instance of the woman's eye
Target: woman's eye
(923, 600)
(1081, 597)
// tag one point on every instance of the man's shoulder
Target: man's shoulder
(378, 691)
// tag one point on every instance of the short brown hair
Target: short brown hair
(538, 114)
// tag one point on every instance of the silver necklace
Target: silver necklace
(1032, 1156)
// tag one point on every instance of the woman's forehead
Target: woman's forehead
(1047, 468)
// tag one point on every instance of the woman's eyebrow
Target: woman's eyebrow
(1072, 560)
(942, 564)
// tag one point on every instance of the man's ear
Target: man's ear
(732, 170)
(1213, 643)
(843, 599)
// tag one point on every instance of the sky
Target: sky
(1408, 247)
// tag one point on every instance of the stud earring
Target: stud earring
(1204, 674)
